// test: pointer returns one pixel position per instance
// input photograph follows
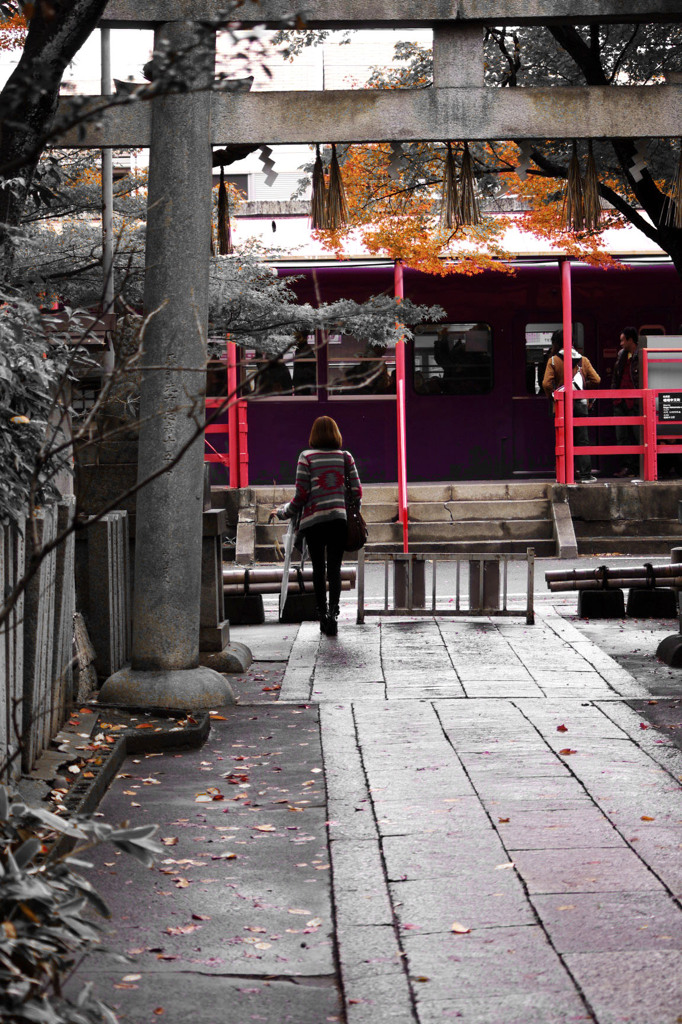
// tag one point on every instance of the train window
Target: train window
(295, 373)
(538, 342)
(356, 367)
(216, 378)
(453, 359)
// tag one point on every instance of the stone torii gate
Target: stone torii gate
(180, 130)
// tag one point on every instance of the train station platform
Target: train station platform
(417, 821)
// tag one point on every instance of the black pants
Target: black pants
(329, 538)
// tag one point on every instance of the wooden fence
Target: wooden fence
(36, 643)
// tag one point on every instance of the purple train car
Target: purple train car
(474, 405)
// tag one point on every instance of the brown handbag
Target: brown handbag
(356, 527)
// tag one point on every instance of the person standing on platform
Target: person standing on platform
(626, 375)
(584, 376)
(320, 500)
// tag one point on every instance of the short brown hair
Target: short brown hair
(325, 433)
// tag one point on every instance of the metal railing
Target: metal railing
(474, 558)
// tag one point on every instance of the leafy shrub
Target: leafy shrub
(45, 929)
(33, 367)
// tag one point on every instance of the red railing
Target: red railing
(236, 429)
(651, 445)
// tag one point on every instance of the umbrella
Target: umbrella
(289, 539)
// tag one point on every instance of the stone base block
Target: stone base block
(300, 608)
(214, 638)
(183, 689)
(234, 658)
(670, 650)
(601, 604)
(246, 610)
(644, 603)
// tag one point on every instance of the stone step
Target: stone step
(628, 545)
(616, 528)
(464, 530)
(544, 548)
(446, 512)
(493, 490)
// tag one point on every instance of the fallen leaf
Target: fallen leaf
(181, 929)
(421, 977)
(145, 725)
(504, 867)
(297, 910)
(459, 929)
(568, 906)
(262, 945)
(265, 828)
(567, 750)
(181, 883)
(170, 841)
(159, 1010)
(645, 817)
(314, 922)
(503, 821)
(561, 728)
(643, 725)
(254, 928)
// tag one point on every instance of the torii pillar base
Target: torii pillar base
(188, 689)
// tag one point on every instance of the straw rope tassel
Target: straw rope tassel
(337, 207)
(318, 198)
(225, 247)
(449, 208)
(468, 202)
(592, 202)
(574, 199)
(674, 211)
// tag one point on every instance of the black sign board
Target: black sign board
(671, 407)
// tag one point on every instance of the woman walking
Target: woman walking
(320, 500)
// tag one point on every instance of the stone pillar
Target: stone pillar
(458, 59)
(165, 668)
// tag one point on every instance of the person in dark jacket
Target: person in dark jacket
(320, 501)
(626, 375)
(584, 376)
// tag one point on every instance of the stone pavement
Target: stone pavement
(438, 820)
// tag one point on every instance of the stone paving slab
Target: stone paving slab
(618, 986)
(614, 869)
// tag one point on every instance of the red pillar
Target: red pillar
(232, 415)
(567, 319)
(400, 407)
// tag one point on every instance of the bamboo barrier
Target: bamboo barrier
(620, 583)
(626, 572)
(236, 589)
(251, 577)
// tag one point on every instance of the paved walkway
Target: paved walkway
(438, 820)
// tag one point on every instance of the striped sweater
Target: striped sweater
(320, 494)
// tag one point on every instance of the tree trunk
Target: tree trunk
(29, 99)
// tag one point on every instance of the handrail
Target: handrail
(647, 419)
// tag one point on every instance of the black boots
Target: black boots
(332, 623)
(328, 623)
